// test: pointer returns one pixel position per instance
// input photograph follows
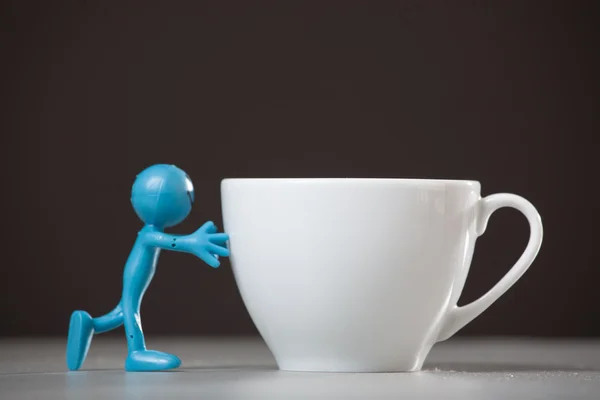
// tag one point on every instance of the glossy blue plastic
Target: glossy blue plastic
(162, 196)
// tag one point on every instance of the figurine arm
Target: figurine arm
(165, 241)
(205, 243)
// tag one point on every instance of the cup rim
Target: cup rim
(415, 181)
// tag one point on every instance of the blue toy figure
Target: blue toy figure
(162, 196)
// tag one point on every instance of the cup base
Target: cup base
(320, 366)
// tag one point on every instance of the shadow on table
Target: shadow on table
(229, 367)
(500, 367)
(433, 367)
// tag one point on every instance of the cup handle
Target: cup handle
(457, 317)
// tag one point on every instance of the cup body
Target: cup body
(350, 275)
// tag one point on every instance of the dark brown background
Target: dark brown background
(505, 92)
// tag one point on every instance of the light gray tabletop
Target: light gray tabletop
(244, 369)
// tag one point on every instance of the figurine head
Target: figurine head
(162, 195)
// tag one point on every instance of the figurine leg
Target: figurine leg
(110, 321)
(139, 358)
(81, 329)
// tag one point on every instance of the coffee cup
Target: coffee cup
(361, 275)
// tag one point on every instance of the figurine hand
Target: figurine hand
(208, 245)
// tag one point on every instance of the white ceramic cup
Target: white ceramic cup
(360, 275)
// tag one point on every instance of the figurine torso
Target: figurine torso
(141, 264)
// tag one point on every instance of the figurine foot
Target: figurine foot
(81, 330)
(151, 360)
